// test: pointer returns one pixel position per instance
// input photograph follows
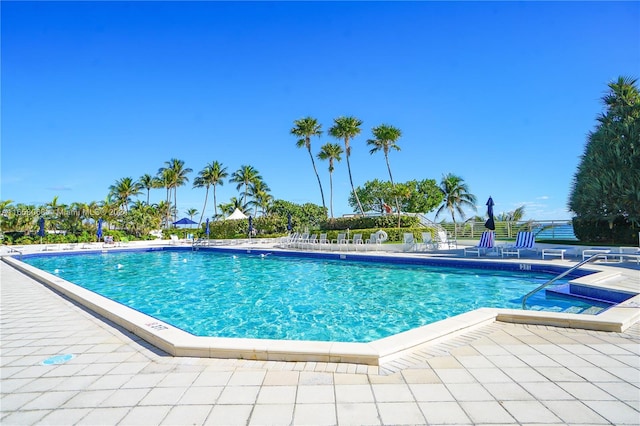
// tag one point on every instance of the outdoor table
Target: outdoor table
(590, 252)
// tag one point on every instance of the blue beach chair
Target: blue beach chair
(525, 240)
(484, 245)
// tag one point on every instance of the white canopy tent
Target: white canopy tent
(237, 214)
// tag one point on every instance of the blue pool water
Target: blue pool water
(275, 297)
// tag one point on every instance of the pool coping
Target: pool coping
(177, 342)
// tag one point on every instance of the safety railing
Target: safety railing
(573, 268)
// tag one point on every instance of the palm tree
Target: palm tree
(234, 203)
(304, 129)
(244, 176)
(259, 191)
(165, 179)
(178, 177)
(148, 182)
(456, 196)
(346, 128)
(191, 213)
(123, 190)
(331, 152)
(213, 174)
(385, 138)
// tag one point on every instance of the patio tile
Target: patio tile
(443, 413)
(162, 396)
(546, 391)
(576, 412)
(360, 414)
(486, 412)
(530, 412)
(455, 375)
(489, 375)
(431, 392)
(90, 399)
(239, 395)
(277, 395)
(400, 413)
(622, 391)
(469, 392)
(47, 401)
(392, 393)
(100, 416)
(145, 416)
(508, 392)
(353, 393)
(272, 414)
(229, 415)
(201, 395)
(318, 394)
(282, 378)
(187, 415)
(314, 414)
(420, 375)
(559, 374)
(65, 416)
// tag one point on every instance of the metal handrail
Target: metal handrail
(573, 268)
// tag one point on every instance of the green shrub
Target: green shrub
(620, 232)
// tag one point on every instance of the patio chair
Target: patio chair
(322, 241)
(444, 241)
(174, 239)
(525, 240)
(373, 241)
(427, 242)
(484, 245)
(408, 242)
(358, 241)
(340, 240)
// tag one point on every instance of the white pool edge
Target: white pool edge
(177, 342)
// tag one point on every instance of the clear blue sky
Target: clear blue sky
(501, 93)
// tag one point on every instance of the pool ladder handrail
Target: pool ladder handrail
(573, 268)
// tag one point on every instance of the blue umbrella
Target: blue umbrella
(289, 225)
(207, 231)
(250, 225)
(185, 221)
(41, 229)
(490, 224)
(99, 231)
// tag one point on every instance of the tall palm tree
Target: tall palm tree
(244, 176)
(123, 190)
(259, 191)
(148, 182)
(456, 196)
(178, 177)
(213, 174)
(331, 152)
(305, 128)
(384, 139)
(346, 128)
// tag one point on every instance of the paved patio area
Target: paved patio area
(499, 374)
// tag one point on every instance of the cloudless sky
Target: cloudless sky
(502, 94)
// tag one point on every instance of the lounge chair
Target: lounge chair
(302, 240)
(341, 240)
(322, 241)
(358, 241)
(525, 240)
(408, 242)
(311, 241)
(427, 242)
(174, 239)
(443, 241)
(484, 245)
(373, 241)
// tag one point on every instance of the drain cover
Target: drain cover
(58, 359)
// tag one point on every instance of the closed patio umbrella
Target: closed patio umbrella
(490, 223)
(207, 230)
(41, 228)
(250, 226)
(289, 225)
(99, 231)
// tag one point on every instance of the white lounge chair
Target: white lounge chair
(174, 239)
(427, 242)
(358, 241)
(372, 242)
(443, 241)
(322, 241)
(484, 245)
(525, 240)
(408, 242)
(340, 240)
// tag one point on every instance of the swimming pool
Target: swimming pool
(233, 294)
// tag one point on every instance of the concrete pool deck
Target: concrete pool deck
(497, 373)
